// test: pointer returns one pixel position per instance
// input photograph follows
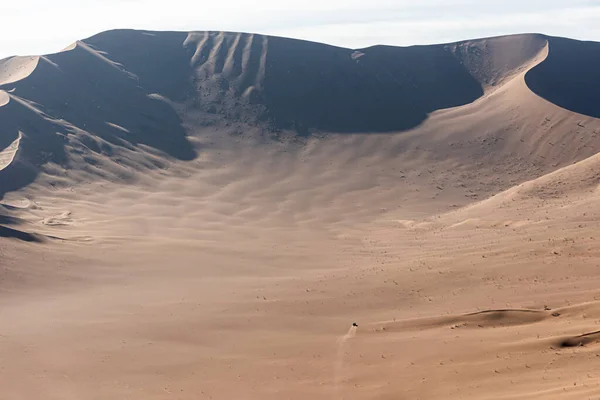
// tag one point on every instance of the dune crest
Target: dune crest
(568, 77)
(4, 98)
(9, 153)
(15, 69)
(496, 61)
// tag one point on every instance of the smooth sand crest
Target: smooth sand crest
(339, 362)
(8, 154)
(4, 98)
(14, 69)
(180, 224)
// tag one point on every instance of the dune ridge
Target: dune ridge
(236, 79)
(573, 91)
(14, 69)
(8, 154)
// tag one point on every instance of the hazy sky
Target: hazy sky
(45, 26)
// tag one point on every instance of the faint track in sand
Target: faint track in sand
(339, 362)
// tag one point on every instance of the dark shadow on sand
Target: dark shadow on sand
(92, 94)
(570, 76)
(10, 233)
(378, 89)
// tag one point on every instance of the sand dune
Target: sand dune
(572, 90)
(8, 154)
(4, 98)
(205, 214)
(14, 69)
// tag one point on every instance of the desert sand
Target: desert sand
(204, 215)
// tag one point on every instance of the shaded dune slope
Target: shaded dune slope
(494, 61)
(124, 89)
(81, 99)
(379, 89)
(41, 141)
(88, 91)
(296, 84)
(304, 86)
(10, 227)
(569, 77)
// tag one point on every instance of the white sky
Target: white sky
(46, 26)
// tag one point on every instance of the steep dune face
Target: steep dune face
(14, 69)
(569, 77)
(494, 61)
(117, 87)
(82, 100)
(159, 61)
(39, 141)
(301, 85)
(205, 214)
(374, 89)
(92, 93)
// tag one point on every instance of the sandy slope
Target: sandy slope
(163, 234)
(14, 69)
